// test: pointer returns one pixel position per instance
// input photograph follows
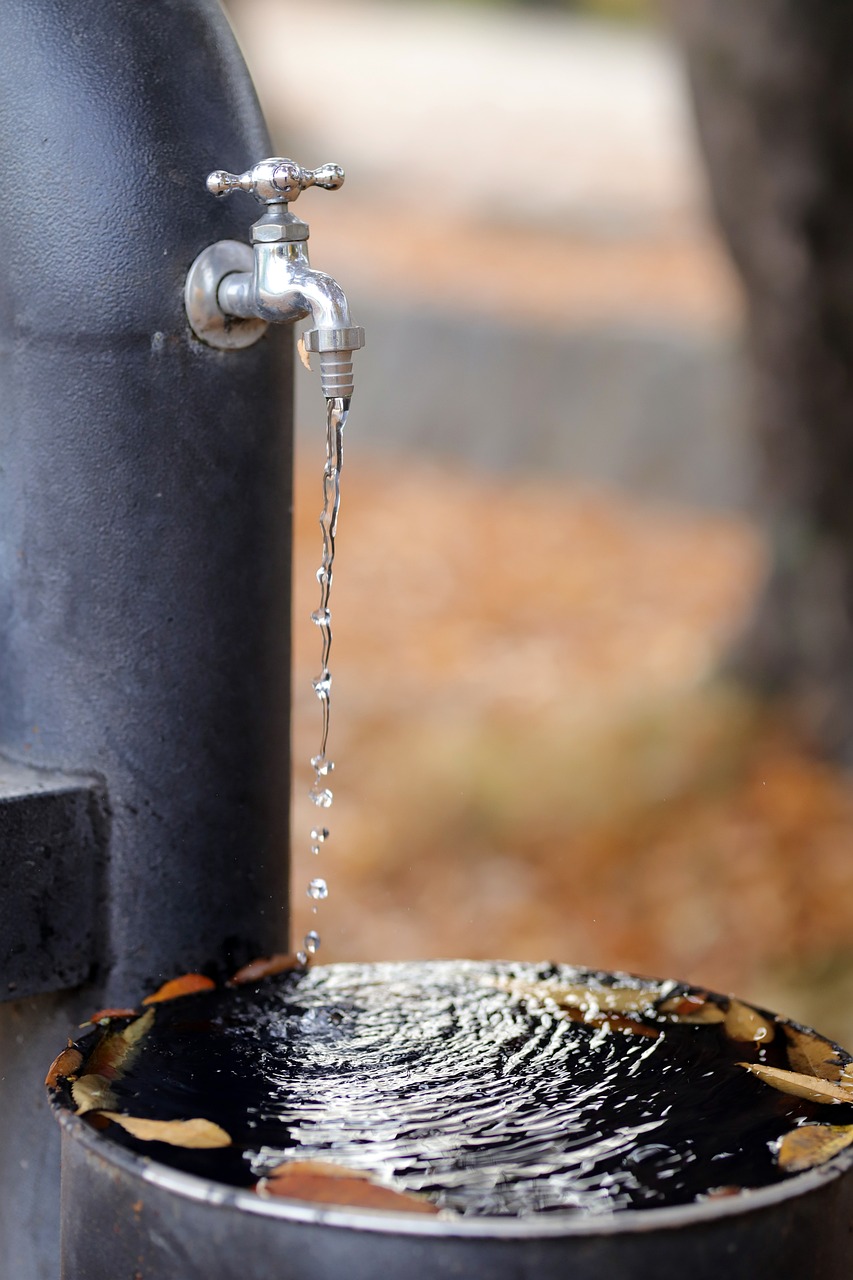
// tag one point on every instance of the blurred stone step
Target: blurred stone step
(655, 409)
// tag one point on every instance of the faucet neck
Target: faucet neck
(278, 224)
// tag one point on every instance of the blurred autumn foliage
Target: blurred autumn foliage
(535, 760)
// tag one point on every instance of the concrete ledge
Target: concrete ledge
(52, 849)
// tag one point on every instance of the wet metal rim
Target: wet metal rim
(203, 1190)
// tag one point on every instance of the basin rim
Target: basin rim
(200, 1190)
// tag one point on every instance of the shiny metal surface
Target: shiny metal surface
(230, 301)
(207, 320)
(276, 179)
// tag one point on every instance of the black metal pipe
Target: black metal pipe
(144, 500)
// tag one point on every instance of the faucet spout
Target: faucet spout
(232, 292)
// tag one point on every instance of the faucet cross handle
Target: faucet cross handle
(276, 180)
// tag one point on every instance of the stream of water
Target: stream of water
(321, 794)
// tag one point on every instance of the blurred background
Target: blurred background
(591, 631)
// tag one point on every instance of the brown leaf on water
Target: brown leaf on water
(810, 1087)
(722, 1193)
(315, 1169)
(814, 1056)
(265, 967)
(64, 1066)
(621, 1000)
(747, 1025)
(107, 1015)
(694, 1007)
(616, 1022)
(186, 985)
(96, 1120)
(609, 1008)
(582, 997)
(198, 1134)
(115, 1051)
(92, 1093)
(325, 1183)
(813, 1144)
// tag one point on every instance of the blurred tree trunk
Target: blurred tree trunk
(773, 88)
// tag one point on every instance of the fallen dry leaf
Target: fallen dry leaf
(813, 1144)
(186, 985)
(96, 1120)
(322, 1183)
(177, 1133)
(722, 1193)
(316, 1169)
(746, 1024)
(117, 1049)
(620, 1000)
(810, 1087)
(64, 1066)
(264, 967)
(580, 996)
(609, 1008)
(813, 1056)
(616, 1022)
(695, 1007)
(92, 1093)
(303, 353)
(103, 1015)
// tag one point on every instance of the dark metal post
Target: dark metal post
(144, 503)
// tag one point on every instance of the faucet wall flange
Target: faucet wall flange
(207, 319)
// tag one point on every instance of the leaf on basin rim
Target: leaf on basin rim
(64, 1065)
(177, 1133)
(747, 1025)
(92, 1093)
(321, 1182)
(813, 1144)
(115, 1050)
(812, 1088)
(186, 985)
(265, 967)
(813, 1056)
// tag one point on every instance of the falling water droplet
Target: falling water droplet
(319, 794)
(301, 957)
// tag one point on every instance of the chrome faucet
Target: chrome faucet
(232, 291)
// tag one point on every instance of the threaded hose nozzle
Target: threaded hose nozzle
(335, 348)
(336, 374)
